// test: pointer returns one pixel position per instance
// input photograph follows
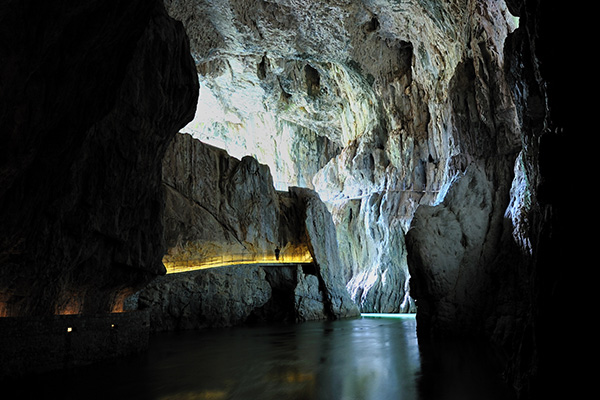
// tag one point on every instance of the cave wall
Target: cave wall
(91, 95)
(550, 90)
(453, 112)
(413, 101)
(224, 210)
(460, 248)
(506, 291)
(347, 98)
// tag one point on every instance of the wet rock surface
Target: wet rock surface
(216, 297)
(446, 261)
(381, 106)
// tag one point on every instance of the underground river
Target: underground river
(368, 358)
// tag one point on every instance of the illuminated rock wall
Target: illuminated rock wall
(353, 99)
(218, 205)
(410, 99)
(222, 208)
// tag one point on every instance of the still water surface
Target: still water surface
(357, 359)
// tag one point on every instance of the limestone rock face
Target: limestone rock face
(223, 210)
(449, 269)
(90, 97)
(408, 99)
(324, 247)
(218, 297)
(376, 105)
(228, 205)
(377, 277)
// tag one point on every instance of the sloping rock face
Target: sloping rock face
(91, 94)
(485, 262)
(219, 208)
(324, 247)
(226, 205)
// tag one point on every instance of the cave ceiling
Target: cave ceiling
(333, 95)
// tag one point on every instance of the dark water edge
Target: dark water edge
(356, 359)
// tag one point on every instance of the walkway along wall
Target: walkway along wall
(218, 207)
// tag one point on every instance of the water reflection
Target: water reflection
(359, 359)
(355, 359)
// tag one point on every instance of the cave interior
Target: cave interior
(413, 155)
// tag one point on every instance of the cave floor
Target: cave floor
(361, 358)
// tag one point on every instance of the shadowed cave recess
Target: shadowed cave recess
(339, 157)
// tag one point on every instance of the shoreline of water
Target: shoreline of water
(388, 315)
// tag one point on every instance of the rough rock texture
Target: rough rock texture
(409, 99)
(90, 95)
(216, 297)
(485, 262)
(324, 248)
(550, 91)
(227, 205)
(371, 243)
(346, 97)
(449, 262)
(353, 98)
(224, 209)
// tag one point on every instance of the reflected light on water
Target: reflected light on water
(375, 357)
(204, 395)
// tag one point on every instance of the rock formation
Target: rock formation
(90, 96)
(219, 208)
(449, 260)
(398, 106)
(458, 109)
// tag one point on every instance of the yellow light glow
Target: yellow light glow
(69, 329)
(203, 395)
(71, 304)
(297, 256)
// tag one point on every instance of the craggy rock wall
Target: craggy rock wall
(551, 93)
(91, 93)
(453, 108)
(485, 263)
(226, 205)
(376, 104)
(219, 207)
